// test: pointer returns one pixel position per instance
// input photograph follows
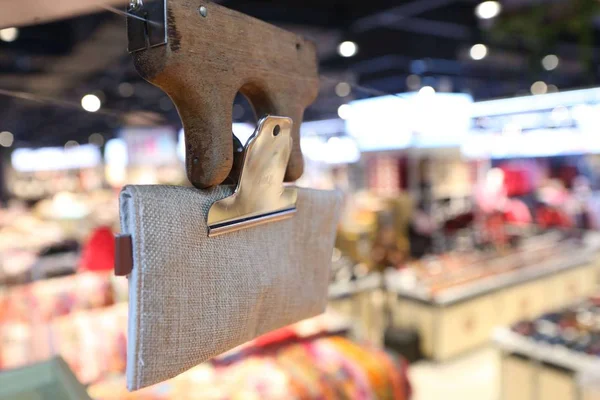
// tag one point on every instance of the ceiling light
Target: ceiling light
(478, 51)
(418, 67)
(6, 139)
(344, 111)
(126, 89)
(427, 91)
(539, 87)
(9, 34)
(347, 49)
(71, 143)
(96, 139)
(413, 82)
(553, 89)
(550, 62)
(90, 103)
(342, 89)
(445, 84)
(488, 9)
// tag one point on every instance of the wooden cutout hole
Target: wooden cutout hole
(276, 130)
(243, 112)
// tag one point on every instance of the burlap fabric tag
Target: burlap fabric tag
(192, 297)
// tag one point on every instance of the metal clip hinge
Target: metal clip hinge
(151, 29)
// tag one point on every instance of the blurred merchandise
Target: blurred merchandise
(98, 252)
(44, 300)
(325, 368)
(562, 347)
(466, 295)
(27, 311)
(76, 318)
(436, 274)
(306, 360)
(92, 342)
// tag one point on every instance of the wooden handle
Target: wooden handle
(208, 59)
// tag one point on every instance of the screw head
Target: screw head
(135, 4)
(203, 11)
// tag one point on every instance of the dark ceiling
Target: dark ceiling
(55, 64)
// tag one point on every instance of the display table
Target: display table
(362, 301)
(532, 370)
(461, 318)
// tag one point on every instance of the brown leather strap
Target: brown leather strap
(123, 255)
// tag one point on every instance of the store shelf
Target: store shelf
(533, 370)
(461, 318)
(341, 289)
(558, 356)
(362, 303)
(490, 284)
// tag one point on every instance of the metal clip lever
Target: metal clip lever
(260, 196)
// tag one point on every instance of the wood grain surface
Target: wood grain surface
(208, 59)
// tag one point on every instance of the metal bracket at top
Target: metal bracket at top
(149, 29)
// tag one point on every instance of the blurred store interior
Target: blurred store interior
(465, 136)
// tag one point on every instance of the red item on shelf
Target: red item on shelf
(549, 217)
(518, 179)
(99, 251)
(277, 336)
(459, 222)
(567, 175)
(495, 225)
(516, 212)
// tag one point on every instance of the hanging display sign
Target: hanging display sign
(333, 150)
(150, 146)
(440, 119)
(419, 120)
(379, 123)
(55, 158)
(535, 126)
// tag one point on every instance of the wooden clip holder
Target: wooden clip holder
(210, 54)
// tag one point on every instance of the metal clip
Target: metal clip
(260, 196)
(150, 29)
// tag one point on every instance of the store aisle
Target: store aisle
(475, 376)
